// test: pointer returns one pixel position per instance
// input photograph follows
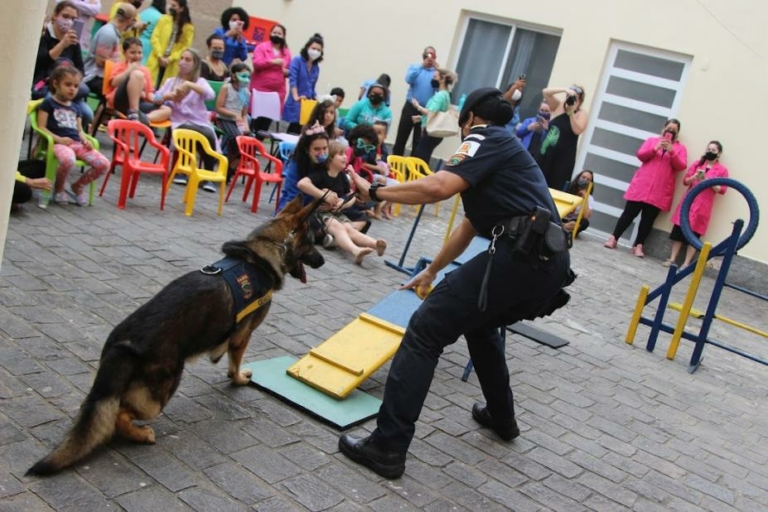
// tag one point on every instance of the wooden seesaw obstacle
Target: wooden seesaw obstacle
(727, 249)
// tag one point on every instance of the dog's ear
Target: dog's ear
(237, 249)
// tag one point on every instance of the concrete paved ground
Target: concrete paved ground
(606, 426)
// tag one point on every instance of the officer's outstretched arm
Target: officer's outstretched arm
(429, 189)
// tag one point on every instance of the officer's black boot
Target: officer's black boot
(505, 429)
(364, 451)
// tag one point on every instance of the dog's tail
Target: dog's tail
(95, 424)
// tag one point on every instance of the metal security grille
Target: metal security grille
(640, 89)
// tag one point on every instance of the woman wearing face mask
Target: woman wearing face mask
(579, 186)
(213, 67)
(86, 9)
(653, 185)
(369, 109)
(150, 16)
(534, 129)
(310, 154)
(302, 78)
(270, 68)
(59, 45)
(443, 81)
(500, 185)
(234, 23)
(706, 168)
(557, 154)
(172, 35)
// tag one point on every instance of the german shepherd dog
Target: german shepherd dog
(143, 359)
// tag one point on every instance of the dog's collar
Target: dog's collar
(283, 246)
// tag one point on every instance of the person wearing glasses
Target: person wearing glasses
(557, 153)
(419, 79)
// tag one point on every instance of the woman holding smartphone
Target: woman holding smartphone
(653, 185)
(706, 168)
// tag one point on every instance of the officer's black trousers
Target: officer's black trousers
(517, 288)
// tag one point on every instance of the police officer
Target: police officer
(500, 185)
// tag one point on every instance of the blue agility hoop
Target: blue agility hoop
(754, 210)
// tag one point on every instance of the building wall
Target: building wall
(721, 100)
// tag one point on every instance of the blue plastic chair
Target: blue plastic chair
(285, 150)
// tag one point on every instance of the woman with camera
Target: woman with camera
(706, 168)
(653, 185)
(557, 154)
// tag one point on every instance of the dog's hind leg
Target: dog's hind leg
(125, 427)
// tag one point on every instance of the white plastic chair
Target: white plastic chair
(265, 104)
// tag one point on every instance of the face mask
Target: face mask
(314, 54)
(544, 115)
(583, 183)
(276, 39)
(376, 99)
(709, 156)
(64, 24)
(517, 95)
(243, 78)
(217, 54)
(234, 25)
(185, 66)
(435, 84)
(320, 159)
(173, 11)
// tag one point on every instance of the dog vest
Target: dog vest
(247, 282)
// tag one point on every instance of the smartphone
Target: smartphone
(540, 119)
(77, 26)
(522, 77)
(668, 136)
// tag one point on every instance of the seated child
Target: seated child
(334, 179)
(364, 154)
(381, 171)
(60, 118)
(232, 106)
(579, 188)
(132, 93)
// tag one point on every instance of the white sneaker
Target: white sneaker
(180, 179)
(329, 242)
(208, 186)
(61, 198)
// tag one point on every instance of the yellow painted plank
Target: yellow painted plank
(565, 202)
(349, 357)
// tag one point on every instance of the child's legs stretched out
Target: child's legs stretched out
(341, 235)
(66, 157)
(98, 163)
(363, 240)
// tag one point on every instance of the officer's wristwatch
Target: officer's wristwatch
(372, 192)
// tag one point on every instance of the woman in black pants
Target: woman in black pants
(653, 185)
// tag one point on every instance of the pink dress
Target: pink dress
(268, 77)
(701, 209)
(654, 181)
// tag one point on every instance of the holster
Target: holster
(536, 235)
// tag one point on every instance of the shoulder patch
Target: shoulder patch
(468, 148)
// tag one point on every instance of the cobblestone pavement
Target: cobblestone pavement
(606, 426)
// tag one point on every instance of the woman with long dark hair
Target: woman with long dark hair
(303, 74)
(310, 154)
(172, 35)
(271, 60)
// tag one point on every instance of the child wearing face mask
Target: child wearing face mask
(232, 111)
(706, 168)
(337, 224)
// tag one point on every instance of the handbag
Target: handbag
(443, 124)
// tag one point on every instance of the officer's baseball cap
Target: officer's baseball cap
(475, 98)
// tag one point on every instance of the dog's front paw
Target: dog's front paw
(148, 434)
(241, 378)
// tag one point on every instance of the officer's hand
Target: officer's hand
(421, 284)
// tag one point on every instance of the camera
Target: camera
(570, 100)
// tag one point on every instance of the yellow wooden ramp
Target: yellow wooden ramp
(565, 202)
(346, 359)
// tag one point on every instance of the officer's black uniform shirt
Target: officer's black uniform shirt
(504, 179)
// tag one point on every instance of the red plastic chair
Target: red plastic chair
(127, 136)
(250, 168)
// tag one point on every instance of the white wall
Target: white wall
(19, 38)
(724, 97)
